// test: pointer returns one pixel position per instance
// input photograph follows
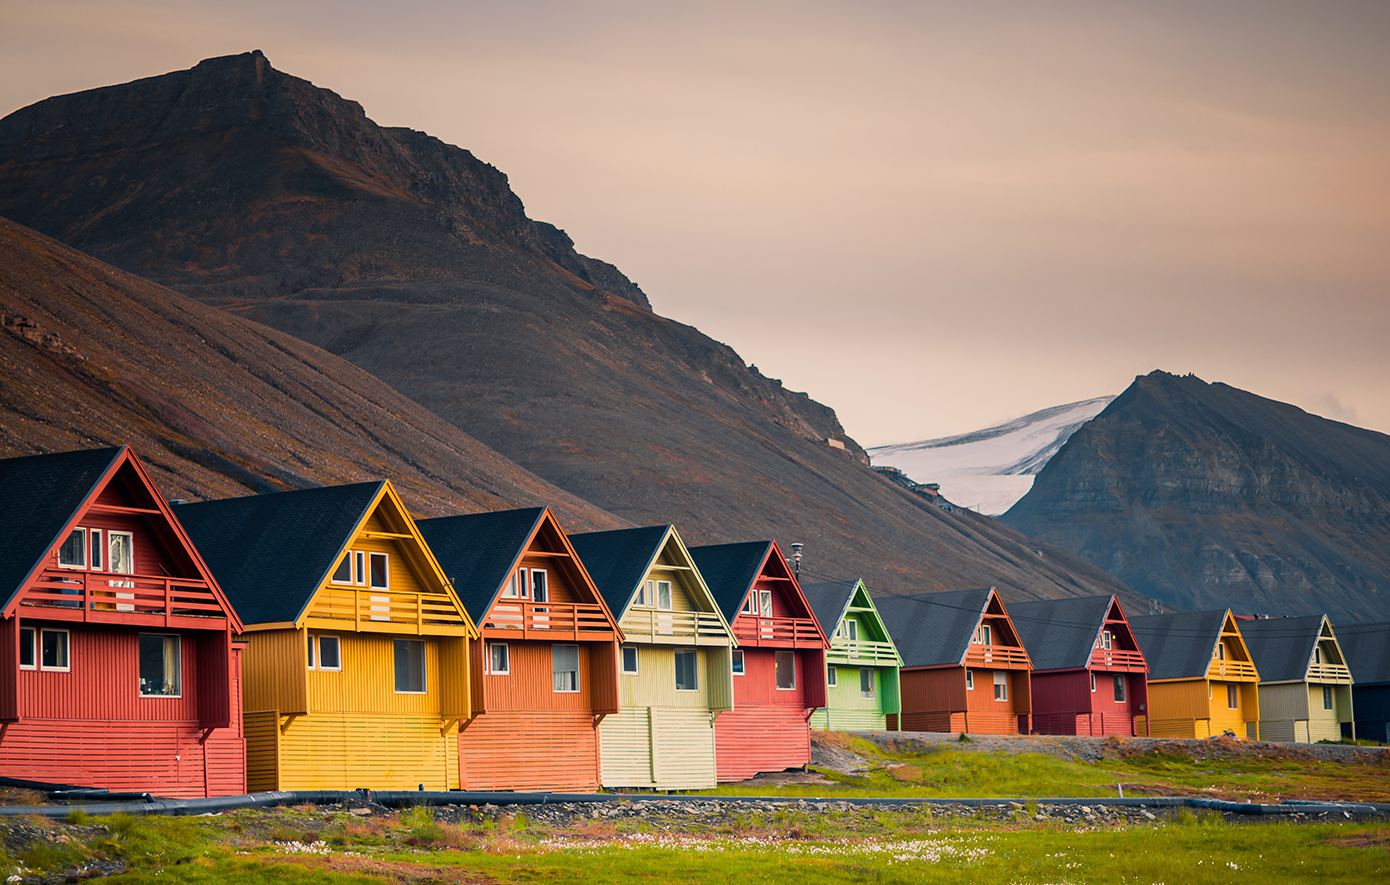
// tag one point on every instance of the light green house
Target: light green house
(675, 667)
(862, 664)
(1305, 685)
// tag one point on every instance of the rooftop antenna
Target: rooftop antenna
(796, 559)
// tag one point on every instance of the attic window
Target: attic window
(851, 629)
(983, 635)
(352, 569)
(73, 552)
(539, 585)
(765, 602)
(380, 573)
(663, 595)
(1105, 639)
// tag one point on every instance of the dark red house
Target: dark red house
(779, 664)
(118, 667)
(1089, 675)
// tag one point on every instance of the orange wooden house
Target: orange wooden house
(779, 665)
(119, 667)
(964, 667)
(546, 667)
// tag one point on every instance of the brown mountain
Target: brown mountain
(280, 201)
(1206, 496)
(218, 406)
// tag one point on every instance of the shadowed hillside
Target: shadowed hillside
(1206, 496)
(283, 202)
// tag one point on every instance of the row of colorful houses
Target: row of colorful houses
(325, 639)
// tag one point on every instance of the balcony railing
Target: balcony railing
(1329, 673)
(548, 620)
(1114, 658)
(861, 651)
(755, 630)
(998, 655)
(656, 625)
(106, 597)
(1233, 670)
(386, 611)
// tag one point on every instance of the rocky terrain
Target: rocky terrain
(1206, 497)
(282, 202)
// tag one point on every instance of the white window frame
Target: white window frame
(736, 663)
(492, 668)
(1327, 700)
(1232, 697)
(540, 592)
(832, 678)
(78, 532)
(750, 604)
(1121, 689)
(359, 566)
(424, 666)
(517, 587)
(851, 628)
(385, 571)
(96, 555)
(1093, 680)
(1001, 685)
(694, 670)
(986, 635)
(666, 604)
(645, 591)
(1221, 650)
(556, 673)
(969, 680)
(178, 665)
(866, 673)
(765, 603)
(345, 563)
(337, 644)
(636, 661)
(777, 659)
(66, 666)
(33, 645)
(1107, 640)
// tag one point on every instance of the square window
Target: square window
(72, 553)
(380, 572)
(866, 682)
(969, 680)
(53, 650)
(1001, 685)
(160, 666)
(630, 660)
(343, 573)
(1119, 689)
(786, 670)
(540, 591)
(1232, 697)
(687, 670)
(663, 595)
(27, 658)
(736, 661)
(330, 653)
(499, 659)
(832, 678)
(410, 666)
(565, 667)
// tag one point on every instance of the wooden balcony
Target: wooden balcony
(1000, 657)
(679, 628)
(556, 621)
(1239, 671)
(1118, 659)
(784, 632)
(386, 611)
(137, 600)
(864, 652)
(1337, 673)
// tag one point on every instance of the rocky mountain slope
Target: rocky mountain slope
(282, 202)
(217, 406)
(1206, 496)
(989, 470)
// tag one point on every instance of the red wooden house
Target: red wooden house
(779, 666)
(1089, 676)
(545, 672)
(119, 669)
(964, 668)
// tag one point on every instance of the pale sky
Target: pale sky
(932, 217)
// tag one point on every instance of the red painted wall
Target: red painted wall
(1063, 703)
(554, 750)
(755, 738)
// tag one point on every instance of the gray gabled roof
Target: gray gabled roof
(1366, 648)
(39, 496)
(829, 600)
(1282, 648)
(271, 553)
(933, 629)
(1060, 634)
(619, 560)
(1179, 646)
(479, 550)
(730, 570)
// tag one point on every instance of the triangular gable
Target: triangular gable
(1284, 648)
(1235, 649)
(1064, 634)
(933, 629)
(1366, 648)
(834, 601)
(775, 569)
(48, 496)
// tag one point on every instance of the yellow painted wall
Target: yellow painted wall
(366, 684)
(344, 751)
(275, 671)
(655, 682)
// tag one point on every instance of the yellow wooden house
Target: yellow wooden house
(1202, 680)
(356, 671)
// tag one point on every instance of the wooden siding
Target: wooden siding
(103, 681)
(379, 751)
(834, 719)
(760, 737)
(262, 751)
(1294, 713)
(530, 685)
(848, 710)
(549, 750)
(654, 684)
(1063, 702)
(937, 700)
(366, 682)
(758, 685)
(277, 671)
(658, 748)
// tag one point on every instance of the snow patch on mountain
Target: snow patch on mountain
(990, 469)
